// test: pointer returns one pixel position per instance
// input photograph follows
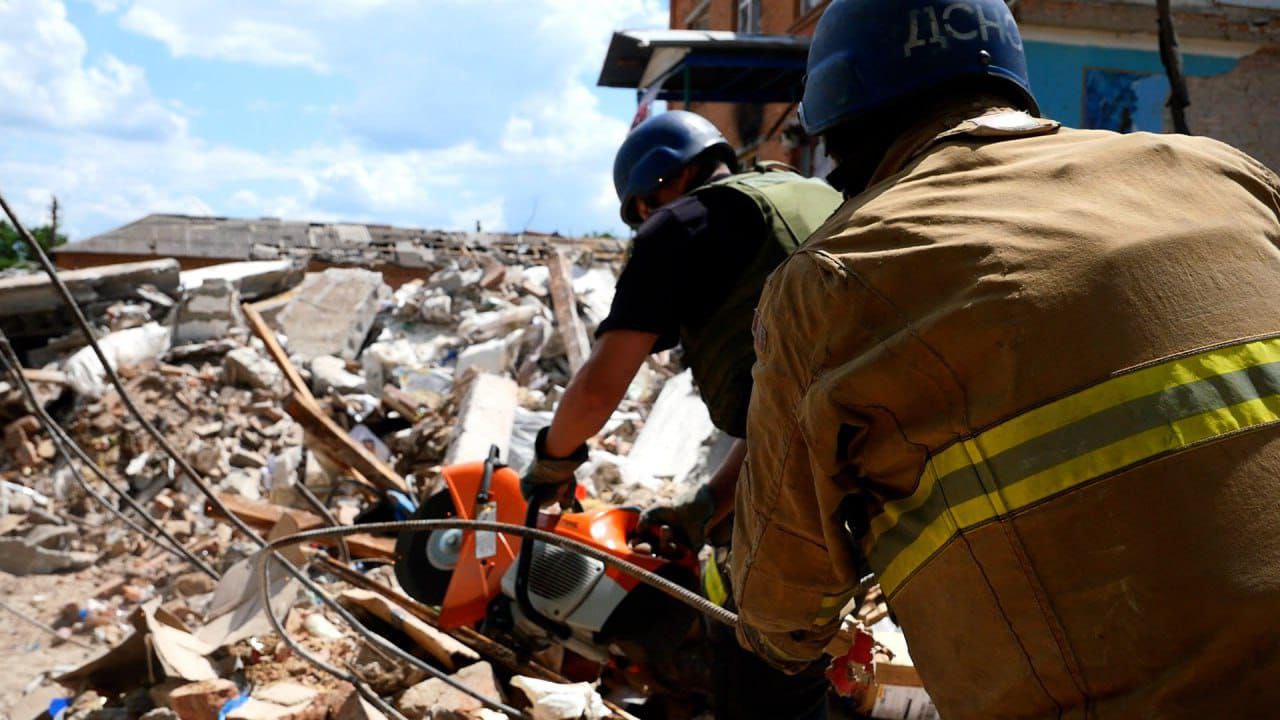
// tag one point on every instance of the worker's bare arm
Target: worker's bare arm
(596, 390)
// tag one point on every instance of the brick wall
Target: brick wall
(1240, 107)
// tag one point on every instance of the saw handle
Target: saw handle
(524, 564)
(491, 463)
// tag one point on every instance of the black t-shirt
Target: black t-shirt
(685, 260)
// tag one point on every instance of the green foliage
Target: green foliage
(13, 251)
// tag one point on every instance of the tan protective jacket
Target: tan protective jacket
(1037, 372)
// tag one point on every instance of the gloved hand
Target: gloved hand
(687, 516)
(547, 471)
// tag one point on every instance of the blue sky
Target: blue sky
(429, 113)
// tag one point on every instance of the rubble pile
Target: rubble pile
(277, 384)
(307, 399)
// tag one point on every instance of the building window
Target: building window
(699, 18)
(749, 16)
(1124, 101)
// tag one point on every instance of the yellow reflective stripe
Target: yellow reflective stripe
(712, 583)
(828, 608)
(1070, 409)
(1177, 435)
(960, 455)
(1148, 380)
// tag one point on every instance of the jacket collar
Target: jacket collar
(976, 119)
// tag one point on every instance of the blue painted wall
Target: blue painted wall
(1058, 79)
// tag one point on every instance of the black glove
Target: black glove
(547, 471)
(687, 516)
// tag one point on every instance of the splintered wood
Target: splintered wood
(565, 305)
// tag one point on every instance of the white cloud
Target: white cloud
(460, 111)
(48, 82)
(230, 36)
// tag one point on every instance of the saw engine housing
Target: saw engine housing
(595, 610)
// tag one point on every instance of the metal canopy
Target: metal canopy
(707, 66)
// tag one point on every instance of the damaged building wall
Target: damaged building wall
(1235, 106)
(1093, 64)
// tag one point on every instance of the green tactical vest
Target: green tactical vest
(719, 349)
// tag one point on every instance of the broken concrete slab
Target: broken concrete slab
(127, 347)
(202, 700)
(483, 326)
(51, 537)
(485, 418)
(437, 309)
(246, 367)
(330, 374)
(254, 279)
(671, 443)
(209, 312)
(451, 280)
(19, 557)
(32, 293)
(247, 484)
(434, 700)
(332, 312)
(242, 458)
(495, 356)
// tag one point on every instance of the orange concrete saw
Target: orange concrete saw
(535, 594)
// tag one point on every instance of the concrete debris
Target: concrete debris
(210, 311)
(32, 296)
(485, 418)
(496, 356)
(305, 400)
(19, 556)
(242, 458)
(669, 446)
(128, 347)
(202, 700)
(434, 700)
(333, 311)
(329, 375)
(253, 279)
(246, 367)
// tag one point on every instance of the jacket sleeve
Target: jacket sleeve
(792, 572)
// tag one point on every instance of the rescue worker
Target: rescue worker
(1031, 375)
(707, 239)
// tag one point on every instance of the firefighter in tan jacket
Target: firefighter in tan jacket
(1030, 377)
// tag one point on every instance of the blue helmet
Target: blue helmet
(658, 149)
(868, 54)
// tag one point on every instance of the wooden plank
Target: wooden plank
(337, 444)
(263, 516)
(56, 377)
(448, 650)
(565, 305)
(277, 353)
(489, 649)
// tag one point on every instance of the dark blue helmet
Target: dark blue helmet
(868, 54)
(658, 149)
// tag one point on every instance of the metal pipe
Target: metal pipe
(692, 599)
